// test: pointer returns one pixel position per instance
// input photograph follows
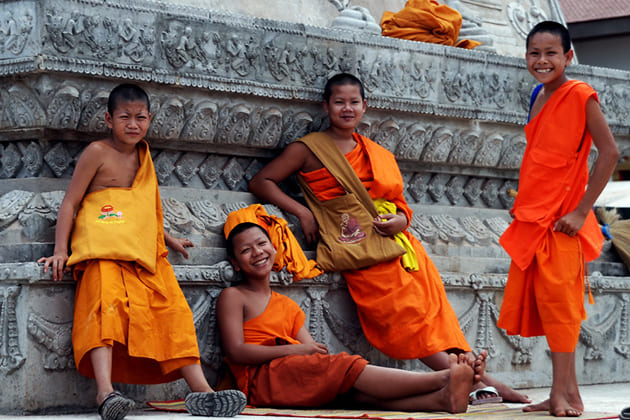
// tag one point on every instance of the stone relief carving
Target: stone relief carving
(623, 348)
(56, 338)
(205, 319)
(11, 357)
(524, 14)
(15, 30)
(596, 336)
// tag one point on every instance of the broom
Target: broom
(619, 230)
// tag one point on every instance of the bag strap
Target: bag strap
(325, 149)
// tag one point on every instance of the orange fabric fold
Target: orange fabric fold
(426, 21)
(548, 297)
(292, 381)
(142, 314)
(405, 315)
(289, 252)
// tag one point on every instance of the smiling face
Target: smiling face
(253, 252)
(345, 107)
(129, 122)
(546, 59)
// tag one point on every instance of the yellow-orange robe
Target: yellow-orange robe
(141, 313)
(544, 294)
(426, 21)
(292, 381)
(405, 315)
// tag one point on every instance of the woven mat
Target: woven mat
(480, 412)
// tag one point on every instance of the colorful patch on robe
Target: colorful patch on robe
(351, 232)
(109, 215)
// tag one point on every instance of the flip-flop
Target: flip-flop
(476, 397)
(115, 406)
(226, 403)
(625, 414)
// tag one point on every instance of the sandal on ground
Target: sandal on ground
(115, 406)
(625, 414)
(485, 395)
(226, 403)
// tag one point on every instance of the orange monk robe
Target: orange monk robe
(545, 290)
(289, 253)
(142, 314)
(405, 315)
(426, 21)
(292, 381)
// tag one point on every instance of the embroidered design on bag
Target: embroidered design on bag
(351, 232)
(109, 215)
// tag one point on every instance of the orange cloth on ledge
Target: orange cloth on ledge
(292, 381)
(544, 294)
(144, 316)
(426, 21)
(406, 315)
(289, 252)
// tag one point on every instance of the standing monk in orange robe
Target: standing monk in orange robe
(277, 363)
(554, 231)
(404, 314)
(132, 323)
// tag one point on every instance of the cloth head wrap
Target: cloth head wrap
(289, 253)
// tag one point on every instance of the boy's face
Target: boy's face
(546, 59)
(254, 253)
(130, 121)
(345, 108)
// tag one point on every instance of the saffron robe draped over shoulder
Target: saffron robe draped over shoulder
(544, 294)
(405, 315)
(297, 380)
(142, 314)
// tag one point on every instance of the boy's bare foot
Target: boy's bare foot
(509, 394)
(480, 365)
(459, 383)
(565, 409)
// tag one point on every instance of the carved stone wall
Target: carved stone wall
(228, 93)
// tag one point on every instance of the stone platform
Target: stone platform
(228, 92)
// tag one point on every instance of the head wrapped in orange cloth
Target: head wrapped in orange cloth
(289, 253)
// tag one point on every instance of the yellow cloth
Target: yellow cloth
(409, 259)
(426, 21)
(143, 315)
(289, 253)
(114, 223)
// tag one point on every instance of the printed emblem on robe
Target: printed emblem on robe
(351, 232)
(110, 215)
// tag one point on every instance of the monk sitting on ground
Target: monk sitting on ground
(401, 302)
(277, 363)
(132, 323)
(554, 231)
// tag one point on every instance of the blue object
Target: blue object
(606, 231)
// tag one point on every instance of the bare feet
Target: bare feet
(480, 365)
(459, 383)
(561, 408)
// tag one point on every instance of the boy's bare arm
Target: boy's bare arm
(230, 309)
(84, 172)
(607, 157)
(178, 244)
(265, 186)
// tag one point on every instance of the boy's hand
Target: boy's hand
(180, 245)
(570, 223)
(57, 263)
(309, 227)
(389, 224)
(310, 348)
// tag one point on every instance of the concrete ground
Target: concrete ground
(609, 398)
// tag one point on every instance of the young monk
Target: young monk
(132, 323)
(554, 230)
(277, 363)
(405, 314)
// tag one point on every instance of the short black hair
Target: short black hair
(553, 28)
(241, 227)
(340, 80)
(126, 92)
